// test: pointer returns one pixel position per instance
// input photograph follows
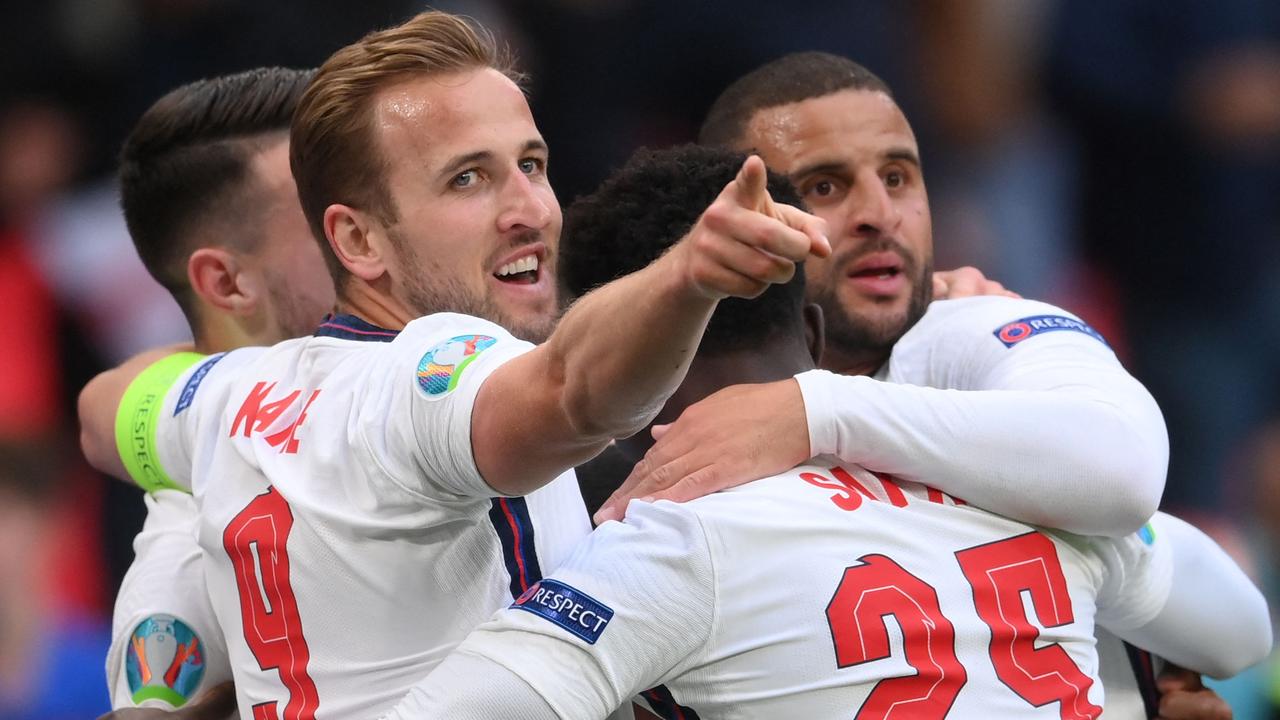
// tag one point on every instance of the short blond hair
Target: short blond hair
(333, 152)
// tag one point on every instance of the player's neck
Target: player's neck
(219, 331)
(864, 363)
(373, 306)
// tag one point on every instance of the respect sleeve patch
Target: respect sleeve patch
(568, 607)
(164, 662)
(1020, 330)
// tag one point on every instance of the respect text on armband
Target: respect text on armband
(140, 441)
(568, 607)
(1011, 334)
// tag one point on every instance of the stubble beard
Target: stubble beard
(445, 292)
(868, 337)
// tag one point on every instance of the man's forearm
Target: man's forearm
(97, 405)
(1061, 459)
(1215, 621)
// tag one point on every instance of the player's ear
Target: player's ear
(358, 240)
(218, 277)
(815, 334)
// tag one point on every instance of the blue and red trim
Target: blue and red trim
(664, 704)
(510, 518)
(350, 327)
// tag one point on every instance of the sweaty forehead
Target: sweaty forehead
(846, 126)
(438, 116)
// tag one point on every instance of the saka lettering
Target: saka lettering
(851, 492)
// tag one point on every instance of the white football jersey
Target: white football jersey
(977, 344)
(980, 343)
(350, 540)
(166, 645)
(827, 592)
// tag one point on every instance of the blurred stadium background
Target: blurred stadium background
(1120, 158)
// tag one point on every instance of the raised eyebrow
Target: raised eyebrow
(818, 168)
(538, 145)
(906, 155)
(462, 162)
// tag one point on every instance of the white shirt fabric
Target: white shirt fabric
(166, 581)
(356, 460)
(1071, 441)
(1070, 427)
(793, 596)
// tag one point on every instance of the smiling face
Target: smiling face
(478, 225)
(855, 161)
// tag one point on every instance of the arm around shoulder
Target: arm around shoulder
(1215, 620)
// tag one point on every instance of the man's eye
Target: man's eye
(529, 166)
(895, 180)
(822, 188)
(466, 179)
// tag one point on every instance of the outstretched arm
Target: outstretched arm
(619, 352)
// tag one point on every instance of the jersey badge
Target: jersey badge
(193, 383)
(1028, 327)
(164, 661)
(442, 366)
(568, 607)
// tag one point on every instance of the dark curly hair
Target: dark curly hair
(644, 208)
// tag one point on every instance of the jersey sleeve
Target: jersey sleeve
(416, 415)
(632, 608)
(1016, 406)
(1173, 591)
(164, 409)
(166, 644)
(1138, 574)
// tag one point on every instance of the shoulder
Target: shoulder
(441, 346)
(442, 327)
(989, 315)
(959, 341)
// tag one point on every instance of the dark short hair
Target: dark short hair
(188, 156)
(789, 79)
(646, 207)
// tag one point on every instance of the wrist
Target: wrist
(819, 408)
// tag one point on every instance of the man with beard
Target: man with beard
(212, 209)
(824, 591)
(327, 466)
(1069, 440)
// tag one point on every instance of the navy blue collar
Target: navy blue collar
(350, 327)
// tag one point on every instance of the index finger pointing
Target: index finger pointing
(751, 185)
(811, 225)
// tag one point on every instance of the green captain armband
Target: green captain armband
(137, 417)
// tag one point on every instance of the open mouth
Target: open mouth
(519, 272)
(878, 273)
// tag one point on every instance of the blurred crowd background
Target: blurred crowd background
(1120, 158)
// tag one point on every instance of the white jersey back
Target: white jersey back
(351, 541)
(829, 592)
(969, 344)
